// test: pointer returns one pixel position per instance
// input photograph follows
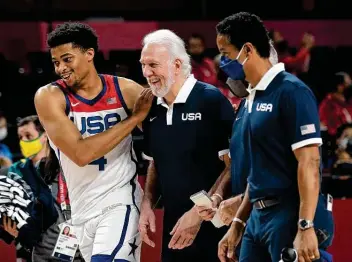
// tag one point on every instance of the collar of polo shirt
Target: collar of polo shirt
(264, 82)
(184, 92)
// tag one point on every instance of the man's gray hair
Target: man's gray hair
(174, 44)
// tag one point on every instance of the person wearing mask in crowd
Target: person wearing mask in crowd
(203, 68)
(341, 171)
(335, 109)
(41, 171)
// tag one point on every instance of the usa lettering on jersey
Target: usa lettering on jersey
(264, 107)
(96, 123)
(191, 116)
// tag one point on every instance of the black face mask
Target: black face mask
(198, 58)
(237, 87)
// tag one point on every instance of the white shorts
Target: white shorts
(112, 236)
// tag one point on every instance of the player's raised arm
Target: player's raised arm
(50, 105)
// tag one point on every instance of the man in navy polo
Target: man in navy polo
(281, 144)
(239, 165)
(187, 139)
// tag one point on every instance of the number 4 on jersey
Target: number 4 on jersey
(101, 162)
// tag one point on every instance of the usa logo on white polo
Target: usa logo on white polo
(191, 116)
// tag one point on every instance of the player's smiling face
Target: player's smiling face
(71, 63)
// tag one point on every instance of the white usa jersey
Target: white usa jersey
(112, 179)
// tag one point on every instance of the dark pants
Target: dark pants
(204, 247)
(271, 229)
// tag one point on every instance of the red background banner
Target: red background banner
(128, 35)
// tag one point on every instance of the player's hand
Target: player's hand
(185, 230)
(143, 104)
(228, 244)
(306, 244)
(207, 213)
(147, 223)
(10, 226)
(228, 209)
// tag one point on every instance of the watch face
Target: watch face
(303, 223)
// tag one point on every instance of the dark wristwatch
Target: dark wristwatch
(305, 224)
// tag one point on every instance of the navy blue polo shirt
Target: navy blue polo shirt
(283, 116)
(185, 141)
(240, 163)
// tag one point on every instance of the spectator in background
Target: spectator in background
(5, 153)
(203, 68)
(335, 110)
(341, 183)
(299, 62)
(41, 171)
(275, 36)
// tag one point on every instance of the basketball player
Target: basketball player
(88, 118)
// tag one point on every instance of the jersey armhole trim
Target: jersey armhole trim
(67, 109)
(118, 91)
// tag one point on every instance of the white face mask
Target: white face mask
(343, 143)
(3, 133)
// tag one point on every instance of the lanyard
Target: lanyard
(62, 195)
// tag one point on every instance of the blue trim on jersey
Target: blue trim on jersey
(118, 91)
(91, 102)
(134, 186)
(133, 183)
(59, 158)
(124, 231)
(109, 258)
(67, 109)
(58, 154)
